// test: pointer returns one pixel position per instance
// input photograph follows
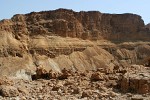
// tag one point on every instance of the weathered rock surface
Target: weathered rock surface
(8, 91)
(47, 38)
(77, 85)
(74, 55)
(63, 22)
(136, 80)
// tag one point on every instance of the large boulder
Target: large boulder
(136, 81)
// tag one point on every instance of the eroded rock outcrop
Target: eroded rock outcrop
(43, 44)
(63, 54)
(63, 22)
(136, 80)
(24, 31)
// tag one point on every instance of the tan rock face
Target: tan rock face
(63, 22)
(136, 81)
(24, 38)
(67, 45)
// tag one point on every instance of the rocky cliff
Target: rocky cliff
(43, 44)
(63, 32)
(85, 25)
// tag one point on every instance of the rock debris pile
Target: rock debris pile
(79, 85)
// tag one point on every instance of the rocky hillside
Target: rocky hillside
(109, 44)
(54, 34)
(66, 35)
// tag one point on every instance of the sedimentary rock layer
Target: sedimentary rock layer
(49, 38)
(85, 25)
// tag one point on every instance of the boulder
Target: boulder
(8, 91)
(97, 76)
(136, 82)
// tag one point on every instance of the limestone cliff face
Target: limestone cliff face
(49, 38)
(34, 32)
(86, 25)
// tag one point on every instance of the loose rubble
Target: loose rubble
(78, 85)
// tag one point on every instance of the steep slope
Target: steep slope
(61, 38)
(74, 55)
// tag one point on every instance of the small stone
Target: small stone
(129, 95)
(8, 91)
(23, 98)
(134, 98)
(86, 94)
(97, 76)
(23, 90)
